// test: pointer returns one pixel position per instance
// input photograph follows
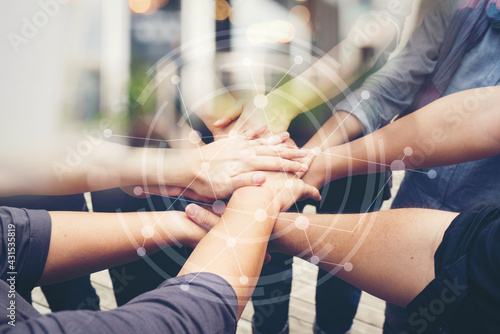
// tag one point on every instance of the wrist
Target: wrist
(176, 227)
(282, 108)
(318, 173)
(171, 167)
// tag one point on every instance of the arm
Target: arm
(457, 128)
(92, 164)
(390, 90)
(389, 254)
(234, 249)
(82, 242)
(325, 79)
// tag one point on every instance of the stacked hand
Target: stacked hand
(234, 162)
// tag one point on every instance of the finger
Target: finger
(310, 192)
(201, 217)
(308, 160)
(281, 151)
(255, 132)
(289, 142)
(267, 163)
(248, 179)
(267, 258)
(284, 136)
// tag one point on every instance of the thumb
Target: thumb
(201, 217)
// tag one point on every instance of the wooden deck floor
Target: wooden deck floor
(369, 318)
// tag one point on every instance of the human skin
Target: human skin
(457, 128)
(235, 247)
(325, 79)
(83, 242)
(389, 254)
(56, 168)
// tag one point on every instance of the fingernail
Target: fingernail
(303, 152)
(192, 211)
(259, 178)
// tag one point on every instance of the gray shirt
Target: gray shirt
(392, 90)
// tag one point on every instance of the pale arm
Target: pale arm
(239, 264)
(76, 165)
(326, 78)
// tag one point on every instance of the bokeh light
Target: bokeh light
(139, 6)
(301, 13)
(222, 10)
(146, 6)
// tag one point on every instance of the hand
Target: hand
(178, 227)
(288, 189)
(253, 122)
(234, 162)
(307, 160)
(207, 220)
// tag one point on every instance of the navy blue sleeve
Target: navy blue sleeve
(465, 295)
(195, 303)
(24, 245)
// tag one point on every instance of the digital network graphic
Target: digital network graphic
(168, 68)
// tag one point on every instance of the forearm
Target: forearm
(235, 248)
(67, 169)
(456, 128)
(83, 242)
(389, 254)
